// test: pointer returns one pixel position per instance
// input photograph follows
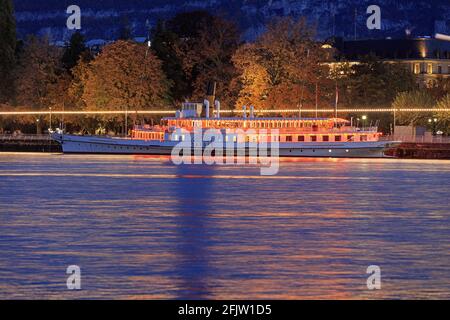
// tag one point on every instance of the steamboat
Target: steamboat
(294, 137)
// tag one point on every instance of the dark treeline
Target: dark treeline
(284, 68)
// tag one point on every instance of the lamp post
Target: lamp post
(37, 126)
(50, 108)
(433, 123)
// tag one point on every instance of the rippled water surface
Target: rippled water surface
(140, 227)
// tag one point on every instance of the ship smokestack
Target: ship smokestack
(206, 104)
(217, 104)
(211, 94)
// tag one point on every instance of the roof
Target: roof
(406, 48)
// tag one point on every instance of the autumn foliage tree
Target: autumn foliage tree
(124, 75)
(282, 68)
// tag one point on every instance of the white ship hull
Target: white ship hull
(108, 145)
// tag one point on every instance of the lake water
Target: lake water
(141, 227)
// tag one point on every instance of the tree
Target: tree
(283, 68)
(7, 49)
(38, 73)
(373, 82)
(163, 43)
(124, 75)
(125, 32)
(443, 116)
(440, 87)
(413, 100)
(204, 48)
(74, 50)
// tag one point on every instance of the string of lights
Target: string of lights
(172, 112)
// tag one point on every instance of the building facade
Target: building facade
(426, 57)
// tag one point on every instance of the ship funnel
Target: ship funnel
(206, 104)
(252, 112)
(211, 94)
(217, 105)
(244, 113)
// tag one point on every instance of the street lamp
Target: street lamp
(433, 122)
(37, 126)
(50, 108)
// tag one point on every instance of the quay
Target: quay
(28, 143)
(421, 150)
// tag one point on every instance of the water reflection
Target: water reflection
(140, 227)
(192, 227)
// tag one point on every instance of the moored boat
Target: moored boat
(291, 137)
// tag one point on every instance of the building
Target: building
(427, 57)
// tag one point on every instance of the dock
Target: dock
(28, 143)
(421, 150)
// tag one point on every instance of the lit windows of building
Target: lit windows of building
(416, 68)
(429, 68)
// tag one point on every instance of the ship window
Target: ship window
(350, 138)
(288, 138)
(301, 138)
(337, 138)
(313, 138)
(325, 138)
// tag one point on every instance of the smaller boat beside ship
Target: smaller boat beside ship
(294, 137)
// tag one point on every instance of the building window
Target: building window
(363, 138)
(337, 138)
(325, 138)
(416, 68)
(301, 138)
(440, 69)
(430, 68)
(350, 138)
(313, 138)
(288, 138)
